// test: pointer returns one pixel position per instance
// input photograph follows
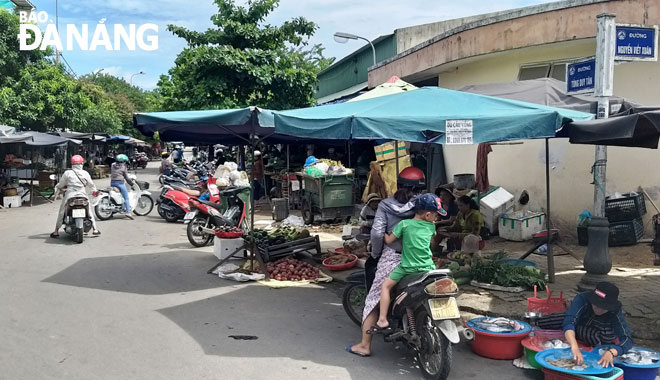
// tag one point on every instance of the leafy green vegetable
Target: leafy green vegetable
(498, 272)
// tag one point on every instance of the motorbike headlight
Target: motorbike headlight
(441, 287)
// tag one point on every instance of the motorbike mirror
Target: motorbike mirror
(52, 177)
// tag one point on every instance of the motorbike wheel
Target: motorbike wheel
(306, 211)
(79, 235)
(435, 352)
(103, 209)
(196, 237)
(160, 179)
(160, 210)
(353, 301)
(169, 216)
(144, 205)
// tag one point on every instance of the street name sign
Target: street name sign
(580, 76)
(636, 43)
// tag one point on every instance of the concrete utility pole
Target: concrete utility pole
(604, 88)
(597, 261)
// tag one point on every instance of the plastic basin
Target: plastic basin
(500, 346)
(520, 263)
(639, 371)
(340, 267)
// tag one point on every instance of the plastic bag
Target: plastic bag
(584, 218)
(222, 172)
(322, 166)
(224, 271)
(313, 171)
(232, 166)
(334, 170)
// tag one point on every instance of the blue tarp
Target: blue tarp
(422, 116)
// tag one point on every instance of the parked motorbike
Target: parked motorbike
(421, 316)
(140, 160)
(109, 202)
(205, 216)
(174, 201)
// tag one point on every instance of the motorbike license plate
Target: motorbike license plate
(78, 213)
(444, 308)
(190, 215)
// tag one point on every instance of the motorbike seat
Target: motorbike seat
(216, 206)
(417, 278)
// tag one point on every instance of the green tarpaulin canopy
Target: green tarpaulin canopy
(207, 126)
(423, 115)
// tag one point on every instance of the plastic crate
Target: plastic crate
(616, 374)
(626, 233)
(630, 206)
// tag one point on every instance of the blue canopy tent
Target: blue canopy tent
(434, 115)
(422, 116)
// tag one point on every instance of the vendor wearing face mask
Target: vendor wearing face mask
(596, 318)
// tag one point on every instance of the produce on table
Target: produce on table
(292, 270)
(279, 236)
(498, 272)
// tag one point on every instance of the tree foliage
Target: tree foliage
(243, 61)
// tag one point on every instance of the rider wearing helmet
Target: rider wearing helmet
(73, 184)
(165, 164)
(385, 257)
(118, 178)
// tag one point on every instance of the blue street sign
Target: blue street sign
(636, 43)
(580, 76)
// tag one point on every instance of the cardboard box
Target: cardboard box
(10, 202)
(386, 151)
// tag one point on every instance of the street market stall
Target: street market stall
(32, 156)
(431, 115)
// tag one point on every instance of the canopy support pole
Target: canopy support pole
(396, 157)
(551, 258)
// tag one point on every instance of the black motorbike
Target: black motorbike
(77, 221)
(422, 316)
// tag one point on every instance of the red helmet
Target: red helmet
(411, 177)
(77, 160)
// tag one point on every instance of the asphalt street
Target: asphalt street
(136, 303)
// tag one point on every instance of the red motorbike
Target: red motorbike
(205, 216)
(173, 203)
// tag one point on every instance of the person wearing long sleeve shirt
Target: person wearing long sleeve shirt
(597, 318)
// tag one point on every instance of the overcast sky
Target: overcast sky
(367, 18)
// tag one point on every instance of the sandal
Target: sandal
(96, 232)
(54, 235)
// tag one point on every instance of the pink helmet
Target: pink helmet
(77, 160)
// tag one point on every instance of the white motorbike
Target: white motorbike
(109, 202)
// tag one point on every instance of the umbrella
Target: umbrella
(207, 126)
(423, 116)
(640, 130)
(393, 86)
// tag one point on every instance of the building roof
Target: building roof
(355, 52)
(474, 22)
(23, 4)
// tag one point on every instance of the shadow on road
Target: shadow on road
(64, 239)
(150, 274)
(309, 324)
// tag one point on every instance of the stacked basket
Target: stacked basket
(625, 217)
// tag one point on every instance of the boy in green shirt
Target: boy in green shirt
(416, 254)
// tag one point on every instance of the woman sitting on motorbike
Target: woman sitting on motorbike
(165, 164)
(118, 178)
(385, 257)
(73, 184)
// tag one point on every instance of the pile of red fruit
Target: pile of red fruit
(292, 270)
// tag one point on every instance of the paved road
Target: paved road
(136, 303)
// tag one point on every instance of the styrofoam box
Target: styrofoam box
(222, 248)
(495, 204)
(521, 225)
(14, 201)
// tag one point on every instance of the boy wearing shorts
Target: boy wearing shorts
(416, 256)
